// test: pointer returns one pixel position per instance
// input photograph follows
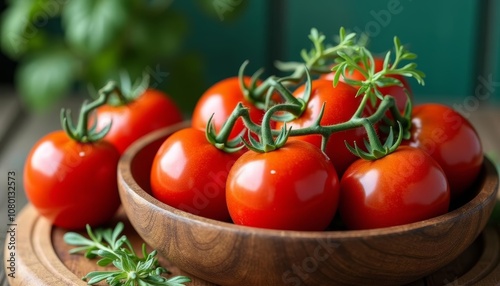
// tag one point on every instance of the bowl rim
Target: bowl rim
(488, 171)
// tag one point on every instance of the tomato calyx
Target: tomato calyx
(404, 120)
(297, 106)
(267, 140)
(221, 141)
(249, 90)
(375, 149)
(82, 132)
(125, 92)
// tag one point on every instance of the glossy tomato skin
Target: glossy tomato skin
(70, 183)
(403, 187)
(341, 104)
(292, 188)
(150, 111)
(451, 140)
(220, 100)
(398, 92)
(190, 174)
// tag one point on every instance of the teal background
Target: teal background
(494, 52)
(456, 41)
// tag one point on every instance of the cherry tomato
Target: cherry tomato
(451, 140)
(190, 174)
(398, 92)
(71, 183)
(219, 101)
(150, 111)
(341, 104)
(403, 187)
(291, 188)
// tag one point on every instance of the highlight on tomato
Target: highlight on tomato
(190, 169)
(70, 175)
(451, 140)
(294, 187)
(135, 112)
(403, 187)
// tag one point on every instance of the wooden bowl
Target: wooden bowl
(228, 254)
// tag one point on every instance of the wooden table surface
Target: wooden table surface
(19, 130)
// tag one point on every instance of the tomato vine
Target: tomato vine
(347, 56)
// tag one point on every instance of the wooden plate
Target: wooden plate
(42, 257)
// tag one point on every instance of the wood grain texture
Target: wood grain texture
(478, 265)
(80, 266)
(43, 259)
(44, 264)
(36, 261)
(228, 254)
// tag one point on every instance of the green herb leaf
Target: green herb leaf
(73, 238)
(97, 276)
(131, 269)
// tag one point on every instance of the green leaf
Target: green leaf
(15, 20)
(104, 261)
(98, 276)
(73, 238)
(388, 81)
(107, 254)
(45, 78)
(179, 280)
(91, 25)
(287, 66)
(27, 25)
(91, 253)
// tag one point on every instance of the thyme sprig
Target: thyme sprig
(318, 60)
(114, 248)
(362, 60)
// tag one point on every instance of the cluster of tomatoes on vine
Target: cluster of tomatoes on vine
(339, 136)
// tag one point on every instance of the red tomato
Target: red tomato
(403, 187)
(397, 92)
(190, 174)
(150, 111)
(71, 183)
(451, 140)
(292, 188)
(220, 100)
(341, 104)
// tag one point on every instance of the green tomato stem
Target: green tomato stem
(221, 140)
(112, 88)
(82, 133)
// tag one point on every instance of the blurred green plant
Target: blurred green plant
(61, 45)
